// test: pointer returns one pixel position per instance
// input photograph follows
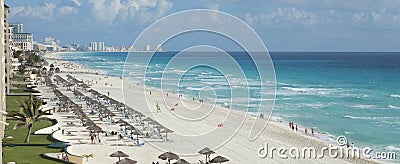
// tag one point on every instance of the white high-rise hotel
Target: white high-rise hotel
(97, 46)
(17, 27)
(22, 39)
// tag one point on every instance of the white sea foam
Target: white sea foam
(394, 96)
(392, 148)
(194, 89)
(313, 91)
(363, 106)
(369, 118)
(358, 118)
(393, 107)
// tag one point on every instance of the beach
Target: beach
(224, 130)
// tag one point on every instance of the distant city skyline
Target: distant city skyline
(284, 25)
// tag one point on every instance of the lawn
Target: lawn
(20, 134)
(27, 154)
(13, 103)
(18, 78)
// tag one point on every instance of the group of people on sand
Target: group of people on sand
(294, 127)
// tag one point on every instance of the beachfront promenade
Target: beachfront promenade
(152, 141)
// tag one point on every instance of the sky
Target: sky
(283, 25)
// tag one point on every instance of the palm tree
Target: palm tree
(29, 114)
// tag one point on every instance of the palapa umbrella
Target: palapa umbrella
(135, 131)
(127, 161)
(120, 121)
(148, 120)
(166, 131)
(94, 128)
(219, 159)
(181, 161)
(206, 151)
(168, 156)
(119, 154)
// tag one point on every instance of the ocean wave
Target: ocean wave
(370, 118)
(194, 89)
(394, 96)
(362, 96)
(392, 148)
(393, 107)
(360, 118)
(318, 105)
(363, 106)
(316, 91)
(206, 73)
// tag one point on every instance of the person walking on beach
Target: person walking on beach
(108, 93)
(305, 130)
(91, 138)
(158, 108)
(150, 92)
(312, 131)
(292, 127)
(296, 128)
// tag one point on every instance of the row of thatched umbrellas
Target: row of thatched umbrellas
(129, 110)
(96, 129)
(76, 81)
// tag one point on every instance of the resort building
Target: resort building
(38, 46)
(17, 27)
(147, 47)
(23, 40)
(97, 46)
(8, 48)
(51, 44)
(2, 74)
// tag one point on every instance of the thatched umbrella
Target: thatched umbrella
(166, 131)
(206, 151)
(148, 120)
(168, 156)
(127, 161)
(135, 131)
(120, 121)
(94, 128)
(219, 159)
(181, 161)
(119, 154)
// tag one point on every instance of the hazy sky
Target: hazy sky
(284, 25)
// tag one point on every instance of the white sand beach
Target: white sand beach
(195, 126)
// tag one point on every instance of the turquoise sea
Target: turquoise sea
(352, 94)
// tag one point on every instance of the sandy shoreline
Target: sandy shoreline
(237, 147)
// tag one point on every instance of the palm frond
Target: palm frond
(19, 125)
